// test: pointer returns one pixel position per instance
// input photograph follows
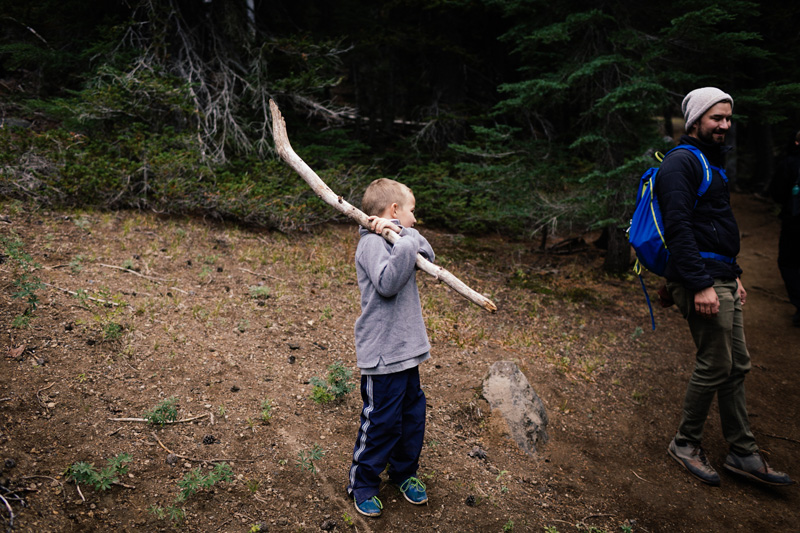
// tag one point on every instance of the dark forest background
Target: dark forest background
(527, 118)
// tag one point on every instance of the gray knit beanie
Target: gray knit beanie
(699, 101)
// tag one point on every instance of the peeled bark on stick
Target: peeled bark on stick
(323, 191)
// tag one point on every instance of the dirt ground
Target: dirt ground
(139, 309)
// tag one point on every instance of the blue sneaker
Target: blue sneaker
(371, 507)
(414, 491)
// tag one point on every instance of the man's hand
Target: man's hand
(706, 302)
(742, 292)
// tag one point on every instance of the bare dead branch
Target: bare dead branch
(181, 421)
(325, 193)
(133, 272)
(73, 293)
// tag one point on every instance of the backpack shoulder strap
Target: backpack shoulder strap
(704, 164)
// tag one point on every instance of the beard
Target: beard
(714, 136)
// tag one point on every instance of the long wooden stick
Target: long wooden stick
(323, 191)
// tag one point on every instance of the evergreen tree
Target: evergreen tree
(596, 76)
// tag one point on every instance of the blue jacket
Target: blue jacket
(692, 226)
(391, 328)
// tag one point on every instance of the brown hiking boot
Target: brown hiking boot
(693, 458)
(754, 466)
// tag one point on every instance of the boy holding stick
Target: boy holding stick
(391, 343)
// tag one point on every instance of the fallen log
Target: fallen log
(286, 152)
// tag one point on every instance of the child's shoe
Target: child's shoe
(370, 507)
(414, 491)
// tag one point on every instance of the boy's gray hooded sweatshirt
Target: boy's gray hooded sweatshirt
(390, 329)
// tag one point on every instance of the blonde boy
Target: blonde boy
(391, 343)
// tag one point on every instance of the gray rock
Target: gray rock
(508, 391)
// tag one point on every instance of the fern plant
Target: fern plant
(164, 412)
(86, 474)
(334, 387)
(195, 480)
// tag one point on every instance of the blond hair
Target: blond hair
(382, 193)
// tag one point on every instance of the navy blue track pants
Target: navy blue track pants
(391, 432)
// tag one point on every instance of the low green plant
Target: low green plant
(82, 222)
(76, 264)
(163, 413)
(334, 387)
(306, 458)
(112, 331)
(196, 480)
(266, 410)
(327, 313)
(86, 474)
(508, 526)
(190, 484)
(347, 519)
(27, 284)
(173, 512)
(259, 292)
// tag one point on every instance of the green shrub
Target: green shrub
(196, 480)
(306, 458)
(86, 474)
(163, 413)
(335, 386)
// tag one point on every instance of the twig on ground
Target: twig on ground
(151, 278)
(261, 274)
(640, 477)
(200, 460)
(179, 290)
(5, 399)
(39, 399)
(166, 422)
(242, 515)
(10, 513)
(73, 293)
(78, 487)
(782, 437)
(599, 515)
(258, 498)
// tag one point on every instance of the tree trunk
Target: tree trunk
(618, 255)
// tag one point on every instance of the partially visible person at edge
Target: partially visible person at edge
(785, 189)
(703, 280)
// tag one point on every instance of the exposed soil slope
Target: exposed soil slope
(197, 327)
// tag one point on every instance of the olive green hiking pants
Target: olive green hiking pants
(722, 361)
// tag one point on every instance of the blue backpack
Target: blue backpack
(646, 232)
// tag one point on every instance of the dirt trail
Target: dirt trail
(773, 399)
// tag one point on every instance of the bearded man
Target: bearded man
(703, 280)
